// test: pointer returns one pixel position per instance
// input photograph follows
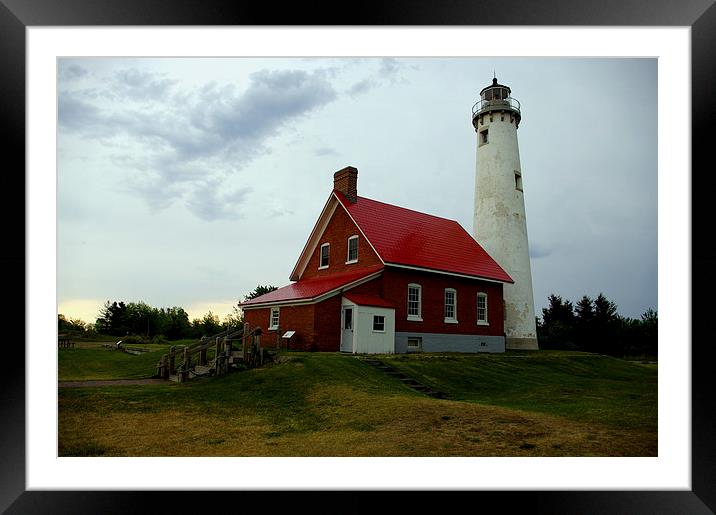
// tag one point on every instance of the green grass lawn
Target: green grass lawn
(577, 385)
(93, 361)
(326, 404)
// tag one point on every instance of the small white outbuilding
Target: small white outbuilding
(367, 325)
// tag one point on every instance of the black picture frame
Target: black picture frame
(699, 15)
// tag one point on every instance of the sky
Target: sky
(189, 181)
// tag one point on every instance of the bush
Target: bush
(158, 339)
(133, 339)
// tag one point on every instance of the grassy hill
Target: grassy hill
(325, 404)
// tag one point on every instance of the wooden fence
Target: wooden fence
(181, 362)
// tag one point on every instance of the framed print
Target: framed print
(32, 31)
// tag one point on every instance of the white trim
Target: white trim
(419, 316)
(378, 330)
(358, 226)
(453, 319)
(271, 324)
(314, 300)
(320, 256)
(348, 249)
(314, 237)
(477, 313)
(408, 267)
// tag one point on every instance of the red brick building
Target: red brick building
(378, 278)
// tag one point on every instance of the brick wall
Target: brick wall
(395, 289)
(291, 318)
(337, 232)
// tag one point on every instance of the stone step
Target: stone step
(407, 381)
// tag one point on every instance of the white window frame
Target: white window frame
(481, 295)
(453, 318)
(378, 330)
(350, 261)
(278, 318)
(418, 340)
(328, 256)
(419, 316)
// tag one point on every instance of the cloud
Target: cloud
(70, 72)
(208, 203)
(537, 251)
(137, 85)
(326, 151)
(388, 71)
(361, 87)
(389, 68)
(185, 144)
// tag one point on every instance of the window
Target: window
(352, 249)
(450, 306)
(325, 253)
(482, 309)
(379, 323)
(348, 319)
(483, 137)
(518, 181)
(273, 324)
(414, 308)
(415, 343)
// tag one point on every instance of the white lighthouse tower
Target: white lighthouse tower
(500, 225)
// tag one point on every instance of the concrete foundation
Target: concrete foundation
(521, 344)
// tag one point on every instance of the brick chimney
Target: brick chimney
(346, 181)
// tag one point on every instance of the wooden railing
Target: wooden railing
(179, 360)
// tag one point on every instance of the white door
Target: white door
(347, 329)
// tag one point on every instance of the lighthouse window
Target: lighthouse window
(483, 137)
(498, 94)
(518, 181)
(488, 94)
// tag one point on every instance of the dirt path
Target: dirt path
(109, 382)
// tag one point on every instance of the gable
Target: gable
(333, 227)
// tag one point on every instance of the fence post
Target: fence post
(245, 342)
(172, 354)
(187, 359)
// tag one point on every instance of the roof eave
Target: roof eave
(455, 274)
(317, 298)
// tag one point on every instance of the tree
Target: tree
(584, 311)
(235, 319)
(557, 328)
(649, 333)
(260, 290)
(112, 319)
(65, 324)
(207, 325)
(607, 328)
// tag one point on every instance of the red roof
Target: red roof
(368, 300)
(406, 237)
(307, 289)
